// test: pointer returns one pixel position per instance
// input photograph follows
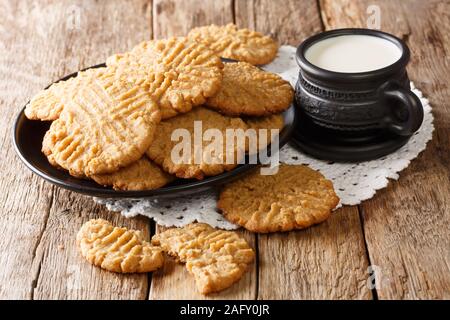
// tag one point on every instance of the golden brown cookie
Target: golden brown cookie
(48, 103)
(140, 175)
(248, 90)
(216, 258)
(206, 163)
(274, 121)
(47, 149)
(239, 44)
(117, 249)
(178, 73)
(294, 198)
(107, 124)
(269, 123)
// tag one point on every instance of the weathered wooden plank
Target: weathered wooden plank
(176, 18)
(323, 262)
(40, 42)
(64, 274)
(406, 225)
(327, 261)
(287, 21)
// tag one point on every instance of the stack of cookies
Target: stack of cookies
(114, 124)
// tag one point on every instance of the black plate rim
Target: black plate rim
(164, 192)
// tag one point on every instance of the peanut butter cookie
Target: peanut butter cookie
(140, 175)
(196, 159)
(250, 91)
(216, 258)
(273, 122)
(107, 124)
(48, 103)
(117, 249)
(294, 198)
(240, 44)
(178, 73)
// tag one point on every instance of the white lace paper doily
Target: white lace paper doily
(353, 182)
(176, 212)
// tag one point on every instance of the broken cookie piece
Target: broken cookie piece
(117, 249)
(216, 258)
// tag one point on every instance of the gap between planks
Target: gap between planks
(359, 208)
(41, 270)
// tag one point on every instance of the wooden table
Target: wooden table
(403, 232)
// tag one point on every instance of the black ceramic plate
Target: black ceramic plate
(28, 135)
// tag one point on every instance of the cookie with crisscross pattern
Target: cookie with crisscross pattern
(249, 91)
(295, 197)
(117, 249)
(143, 174)
(239, 44)
(217, 258)
(194, 159)
(106, 124)
(178, 73)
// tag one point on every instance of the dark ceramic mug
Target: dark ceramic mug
(358, 103)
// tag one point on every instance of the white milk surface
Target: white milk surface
(353, 53)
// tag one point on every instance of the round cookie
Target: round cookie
(250, 91)
(198, 167)
(178, 73)
(239, 44)
(295, 197)
(107, 124)
(140, 175)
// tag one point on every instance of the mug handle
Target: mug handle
(402, 121)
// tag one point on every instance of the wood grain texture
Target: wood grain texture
(287, 21)
(404, 227)
(40, 42)
(309, 264)
(178, 17)
(322, 262)
(173, 281)
(64, 273)
(407, 224)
